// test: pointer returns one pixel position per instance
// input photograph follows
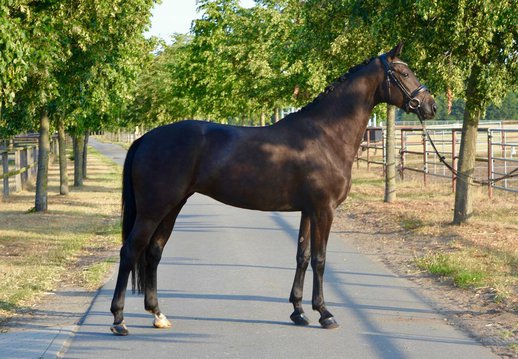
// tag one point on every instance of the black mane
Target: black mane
(331, 87)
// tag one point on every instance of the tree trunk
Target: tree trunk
(390, 156)
(63, 168)
(468, 148)
(78, 160)
(85, 154)
(40, 204)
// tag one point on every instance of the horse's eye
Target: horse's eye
(405, 74)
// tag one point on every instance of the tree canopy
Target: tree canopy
(88, 63)
(77, 59)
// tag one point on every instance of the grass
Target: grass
(73, 242)
(464, 272)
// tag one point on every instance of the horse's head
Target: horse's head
(403, 89)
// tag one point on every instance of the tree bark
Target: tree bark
(63, 167)
(85, 154)
(390, 156)
(78, 159)
(468, 147)
(40, 204)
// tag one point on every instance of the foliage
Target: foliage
(238, 63)
(445, 39)
(41, 27)
(456, 114)
(507, 110)
(159, 93)
(13, 50)
(77, 59)
(231, 66)
(107, 51)
(239, 60)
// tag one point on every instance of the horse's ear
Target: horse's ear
(396, 51)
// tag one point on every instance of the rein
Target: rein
(412, 103)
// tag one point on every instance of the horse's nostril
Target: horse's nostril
(434, 108)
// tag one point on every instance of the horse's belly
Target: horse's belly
(250, 197)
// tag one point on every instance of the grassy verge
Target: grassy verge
(73, 242)
(481, 255)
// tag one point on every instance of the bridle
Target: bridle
(412, 103)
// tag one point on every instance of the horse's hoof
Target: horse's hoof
(329, 323)
(299, 318)
(161, 322)
(119, 329)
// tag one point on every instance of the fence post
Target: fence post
(358, 156)
(383, 150)
(489, 163)
(453, 158)
(17, 166)
(402, 153)
(368, 149)
(504, 151)
(23, 164)
(34, 156)
(5, 170)
(425, 158)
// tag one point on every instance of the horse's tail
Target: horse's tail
(129, 208)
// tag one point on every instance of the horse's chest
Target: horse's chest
(329, 185)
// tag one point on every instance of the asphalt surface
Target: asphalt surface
(224, 282)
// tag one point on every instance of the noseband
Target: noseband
(412, 103)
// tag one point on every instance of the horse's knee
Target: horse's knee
(127, 257)
(153, 254)
(303, 261)
(318, 264)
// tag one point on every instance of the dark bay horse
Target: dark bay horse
(301, 163)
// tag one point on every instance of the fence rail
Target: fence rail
(19, 162)
(18, 167)
(496, 156)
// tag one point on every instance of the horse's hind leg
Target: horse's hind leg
(153, 256)
(303, 254)
(130, 251)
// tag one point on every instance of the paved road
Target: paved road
(224, 281)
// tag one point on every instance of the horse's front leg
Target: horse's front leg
(320, 227)
(298, 317)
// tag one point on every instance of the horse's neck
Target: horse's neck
(344, 113)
